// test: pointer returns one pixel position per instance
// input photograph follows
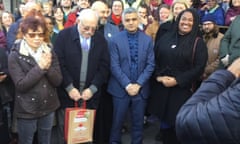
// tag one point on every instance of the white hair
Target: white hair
(87, 14)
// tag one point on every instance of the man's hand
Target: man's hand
(205, 7)
(225, 60)
(74, 94)
(144, 20)
(87, 94)
(133, 89)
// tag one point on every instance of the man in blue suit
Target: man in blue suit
(132, 63)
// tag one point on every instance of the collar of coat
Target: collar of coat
(24, 51)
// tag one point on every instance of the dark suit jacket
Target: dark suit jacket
(68, 49)
(120, 64)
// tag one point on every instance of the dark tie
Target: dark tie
(84, 44)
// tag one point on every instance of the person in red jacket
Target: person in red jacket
(71, 20)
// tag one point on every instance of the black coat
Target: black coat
(166, 101)
(68, 49)
(6, 86)
(212, 114)
(36, 94)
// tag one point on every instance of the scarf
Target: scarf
(116, 20)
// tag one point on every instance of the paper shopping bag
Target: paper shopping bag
(79, 123)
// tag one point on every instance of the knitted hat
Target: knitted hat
(209, 17)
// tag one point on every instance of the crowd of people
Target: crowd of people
(133, 61)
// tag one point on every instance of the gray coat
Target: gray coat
(230, 43)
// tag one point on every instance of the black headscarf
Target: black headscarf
(186, 43)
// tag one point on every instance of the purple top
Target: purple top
(231, 12)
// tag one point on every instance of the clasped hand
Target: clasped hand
(76, 95)
(167, 81)
(3, 77)
(45, 61)
(133, 89)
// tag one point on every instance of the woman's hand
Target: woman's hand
(45, 61)
(3, 77)
(167, 81)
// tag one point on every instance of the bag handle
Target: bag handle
(193, 55)
(83, 104)
(194, 48)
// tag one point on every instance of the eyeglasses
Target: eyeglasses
(88, 28)
(33, 35)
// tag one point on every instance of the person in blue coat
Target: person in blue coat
(215, 10)
(211, 115)
(132, 64)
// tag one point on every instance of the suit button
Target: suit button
(44, 86)
(33, 99)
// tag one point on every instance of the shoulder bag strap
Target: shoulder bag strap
(194, 49)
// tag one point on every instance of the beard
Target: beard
(207, 31)
(102, 21)
(210, 30)
(213, 33)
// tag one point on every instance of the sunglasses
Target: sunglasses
(33, 35)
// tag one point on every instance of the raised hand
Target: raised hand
(234, 68)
